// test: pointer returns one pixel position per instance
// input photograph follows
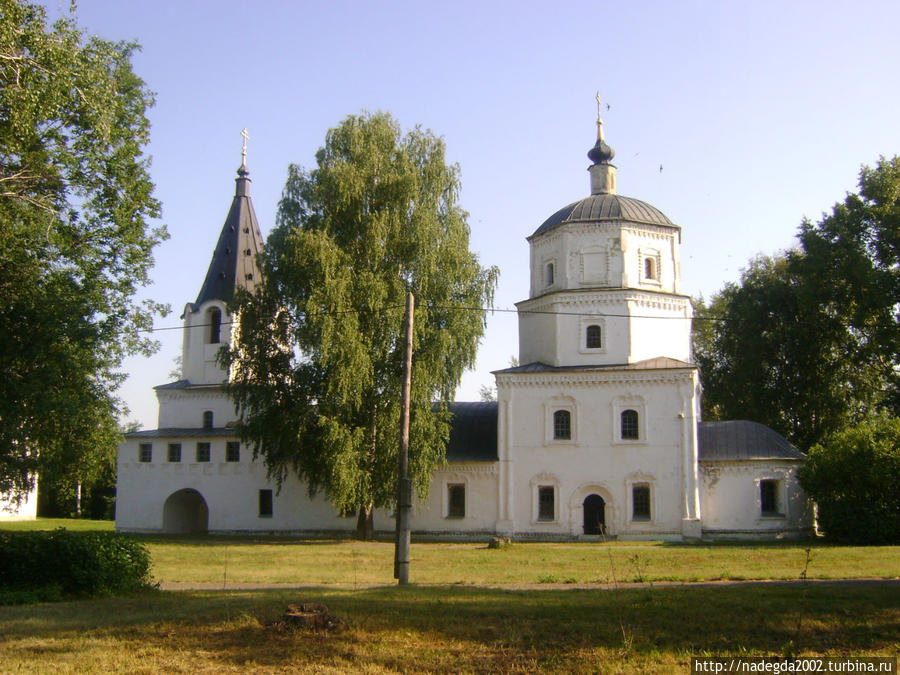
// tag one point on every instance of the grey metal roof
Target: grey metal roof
(234, 258)
(177, 432)
(606, 207)
(179, 384)
(658, 363)
(743, 440)
(186, 384)
(473, 432)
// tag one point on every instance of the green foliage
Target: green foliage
(46, 565)
(317, 362)
(808, 341)
(75, 243)
(854, 477)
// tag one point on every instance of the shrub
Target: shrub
(71, 563)
(854, 477)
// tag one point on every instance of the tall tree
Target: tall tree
(75, 242)
(770, 353)
(852, 263)
(316, 366)
(854, 477)
(808, 341)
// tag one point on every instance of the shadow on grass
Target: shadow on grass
(213, 540)
(474, 627)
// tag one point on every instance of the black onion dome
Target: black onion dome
(606, 207)
(601, 152)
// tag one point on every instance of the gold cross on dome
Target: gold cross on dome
(245, 136)
(599, 121)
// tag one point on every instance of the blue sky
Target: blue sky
(760, 114)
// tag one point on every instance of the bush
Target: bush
(71, 564)
(854, 477)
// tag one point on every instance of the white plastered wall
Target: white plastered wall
(730, 495)
(595, 460)
(26, 509)
(184, 408)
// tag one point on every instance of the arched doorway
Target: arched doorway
(185, 512)
(594, 509)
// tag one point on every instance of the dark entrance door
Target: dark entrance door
(594, 514)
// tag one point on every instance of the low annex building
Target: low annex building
(597, 433)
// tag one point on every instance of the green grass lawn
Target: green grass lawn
(454, 618)
(53, 523)
(451, 629)
(352, 563)
(261, 560)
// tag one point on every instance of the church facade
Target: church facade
(596, 434)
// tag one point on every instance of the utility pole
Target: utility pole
(404, 485)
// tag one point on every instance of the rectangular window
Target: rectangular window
(640, 502)
(145, 452)
(174, 452)
(232, 451)
(562, 425)
(546, 502)
(630, 427)
(203, 452)
(768, 497)
(265, 503)
(456, 500)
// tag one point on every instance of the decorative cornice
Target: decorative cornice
(451, 468)
(598, 296)
(588, 227)
(585, 378)
(746, 466)
(193, 394)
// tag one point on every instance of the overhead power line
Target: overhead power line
(495, 310)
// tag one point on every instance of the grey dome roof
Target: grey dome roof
(606, 207)
(734, 440)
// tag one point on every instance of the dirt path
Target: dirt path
(238, 586)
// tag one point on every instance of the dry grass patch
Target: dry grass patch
(451, 629)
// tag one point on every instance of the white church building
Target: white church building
(597, 433)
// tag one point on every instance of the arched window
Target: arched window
(562, 425)
(593, 337)
(649, 268)
(215, 325)
(207, 419)
(630, 425)
(548, 274)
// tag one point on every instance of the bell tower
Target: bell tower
(207, 320)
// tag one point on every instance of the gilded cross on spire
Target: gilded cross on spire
(245, 136)
(599, 121)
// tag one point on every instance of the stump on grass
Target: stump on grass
(499, 542)
(311, 616)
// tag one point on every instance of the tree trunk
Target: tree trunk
(365, 523)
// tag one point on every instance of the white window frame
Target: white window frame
(655, 256)
(780, 496)
(582, 335)
(544, 480)
(621, 404)
(544, 265)
(641, 481)
(568, 404)
(445, 496)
